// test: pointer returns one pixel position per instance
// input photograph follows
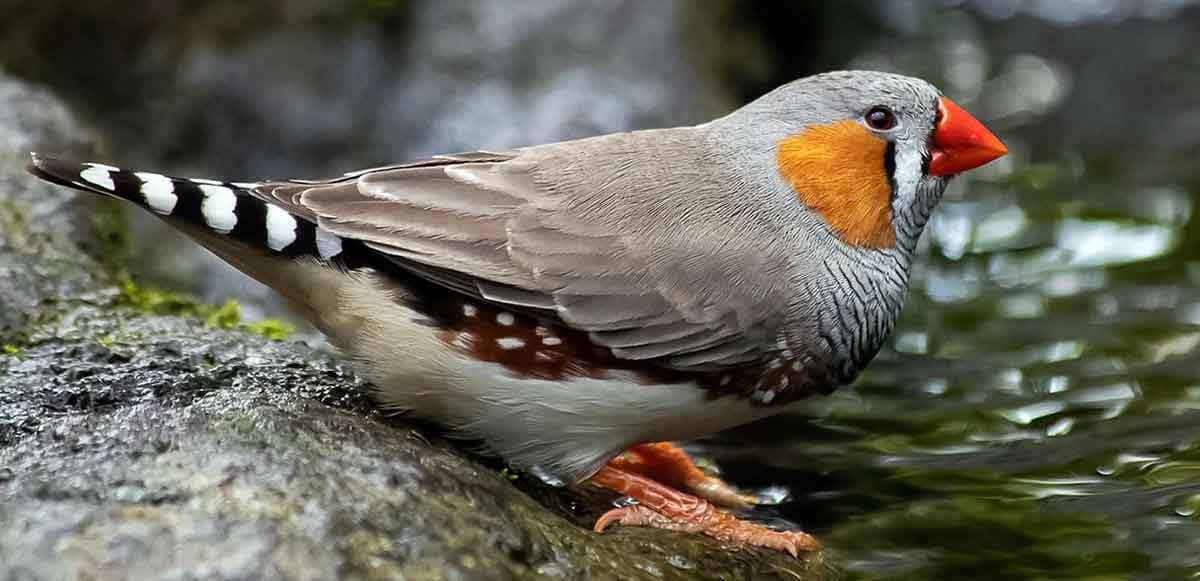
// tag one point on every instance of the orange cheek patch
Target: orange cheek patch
(838, 171)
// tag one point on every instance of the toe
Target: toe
(636, 515)
(613, 516)
(795, 543)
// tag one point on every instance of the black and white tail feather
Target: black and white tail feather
(242, 211)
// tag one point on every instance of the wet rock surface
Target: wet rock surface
(144, 446)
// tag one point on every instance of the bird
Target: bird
(581, 306)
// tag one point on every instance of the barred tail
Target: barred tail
(222, 209)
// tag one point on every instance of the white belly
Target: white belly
(573, 427)
(569, 428)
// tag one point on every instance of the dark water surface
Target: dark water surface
(1037, 414)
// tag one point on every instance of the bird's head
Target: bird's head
(869, 152)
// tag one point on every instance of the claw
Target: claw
(606, 519)
(666, 508)
(636, 515)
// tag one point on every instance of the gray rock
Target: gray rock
(136, 445)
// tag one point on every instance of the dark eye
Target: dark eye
(880, 118)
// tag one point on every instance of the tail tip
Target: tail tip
(40, 166)
(35, 162)
(70, 174)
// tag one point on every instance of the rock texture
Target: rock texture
(136, 445)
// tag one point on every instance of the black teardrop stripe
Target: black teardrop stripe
(306, 240)
(127, 186)
(251, 225)
(889, 165)
(189, 205)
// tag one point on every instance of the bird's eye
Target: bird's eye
(880, 118)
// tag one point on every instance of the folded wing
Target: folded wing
(529, 229)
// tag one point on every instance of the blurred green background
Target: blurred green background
(1035, 415)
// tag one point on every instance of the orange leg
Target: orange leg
(670, 465)
(661, 506)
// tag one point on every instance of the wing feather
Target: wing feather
(568, 231)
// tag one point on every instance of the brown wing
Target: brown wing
(556, 231)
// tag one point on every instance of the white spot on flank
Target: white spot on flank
(469, 310)
(159, 192)
(510, 343)
(281, 228)
(218, 208)
(551, 341)
(506, 319)
(784, 381)
(328, 245)
(99, 175)
(767, 396)
(541, 331)
(796, 365)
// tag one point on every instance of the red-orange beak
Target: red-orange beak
(960, 142)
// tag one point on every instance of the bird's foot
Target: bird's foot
(661, 506)
(668, 464)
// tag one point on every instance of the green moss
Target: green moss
(156, 301)
(8, 349)
(119, 344)
(226, 316)
(112, 234)
(273, 329)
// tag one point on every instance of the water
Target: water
(1037, 412)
